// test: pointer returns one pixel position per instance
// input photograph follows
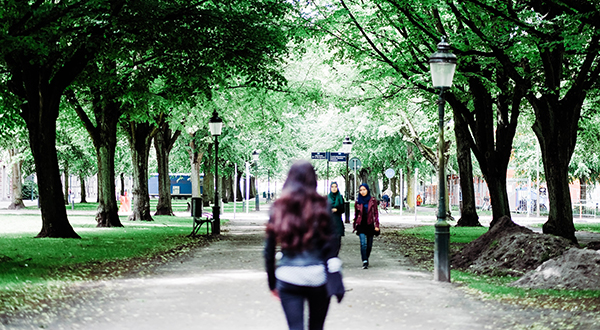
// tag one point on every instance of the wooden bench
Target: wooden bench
(206, 218)
(200, 218)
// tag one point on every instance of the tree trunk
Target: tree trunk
(163, 143)
(140, 136)
(104, 137)
(40, 82)
(468, 211)
(556, 129)
(83, 192)
(107, 212)
(394, 188)
(411, 190)
(373, 181)
(386, 182)
(164, 206)
(209, 189)
(227, 189)
(219, 183)
(66, 185)
(240, 185)
(195, 163)
(17, 183)
(493, 125)
(252, 187)
(40, 114)
(122, 181)
(348, 196)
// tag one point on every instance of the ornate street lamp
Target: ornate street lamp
(255, 155)
(347, 148)
(216, 125)
(442, 64)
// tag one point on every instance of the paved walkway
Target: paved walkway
(223, 286)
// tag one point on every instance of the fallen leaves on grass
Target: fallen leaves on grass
(62, 285)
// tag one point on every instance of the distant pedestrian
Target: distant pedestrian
(336, 202)
(366, 221)
(300, 223)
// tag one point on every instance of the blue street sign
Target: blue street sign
(337, 157)
(318, 155)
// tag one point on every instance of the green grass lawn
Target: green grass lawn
(37, 267)
(496, 287)
(457, 234)
(179, 205)
(593, 227)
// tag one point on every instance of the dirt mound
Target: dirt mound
(509, 249)
(473, 250)
(575, 269)
(519, 253)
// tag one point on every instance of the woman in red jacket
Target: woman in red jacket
(366, 221)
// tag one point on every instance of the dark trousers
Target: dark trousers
(292, 299)
(366, 244)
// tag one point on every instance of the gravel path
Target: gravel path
(223, 286)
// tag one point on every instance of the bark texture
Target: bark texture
(163, 143)
(16, 194)
(196, 154)
(66, 184)
(104, 136)
(492, 124)
(241, 185)
(122, 181)
(140, 137)
(32, 82)
(208, 196)
(83, 189)
(468, 211)
(394, 188)
(556, 126)
(227, 189)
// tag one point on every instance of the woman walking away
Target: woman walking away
(336, 202)
(300, 223)
(366, 221)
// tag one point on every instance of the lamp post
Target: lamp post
(216, 124)
(255, 158)
(347, 148)
(442, 64)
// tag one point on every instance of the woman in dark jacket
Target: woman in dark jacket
(366, 221)
(300, 223)
(336, 202)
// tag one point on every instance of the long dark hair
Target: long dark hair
(300, 218)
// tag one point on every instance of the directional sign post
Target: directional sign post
(334, 157)
(318, 155)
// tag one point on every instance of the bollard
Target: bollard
(347, 211)
(441, 260)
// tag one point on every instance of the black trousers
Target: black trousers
(292, 299)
